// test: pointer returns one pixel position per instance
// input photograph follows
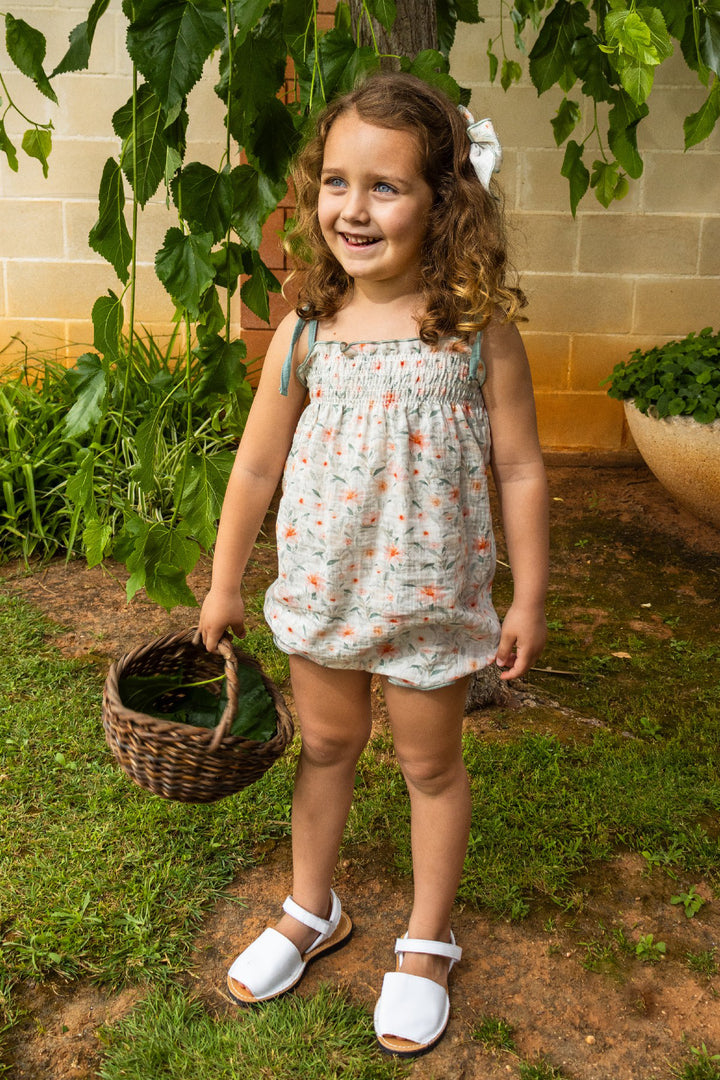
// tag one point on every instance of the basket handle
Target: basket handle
(232, 682)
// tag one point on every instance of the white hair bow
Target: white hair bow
(485, 149)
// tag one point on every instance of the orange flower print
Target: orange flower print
(351, 496)
(431, 592)
(348, 632)
(393, 552)
(388, 649)
(481, 545)
(417, 440)
(290, 532)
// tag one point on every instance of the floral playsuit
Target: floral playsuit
(385, 547)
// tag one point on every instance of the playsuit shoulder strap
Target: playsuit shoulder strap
(287, 366)
(477, 368)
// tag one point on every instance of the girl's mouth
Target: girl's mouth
(360, 241)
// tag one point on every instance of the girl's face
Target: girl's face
(373, 203)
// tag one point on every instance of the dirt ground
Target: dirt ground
(632, 1024)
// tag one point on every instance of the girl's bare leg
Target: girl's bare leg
(427, 729)
(335, 721)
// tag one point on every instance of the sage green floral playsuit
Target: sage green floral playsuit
(385, 546)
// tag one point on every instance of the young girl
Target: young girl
(407, 348)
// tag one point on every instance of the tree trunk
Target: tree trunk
(414, 29)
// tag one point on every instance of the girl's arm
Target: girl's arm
(522, 488)
(253, 481)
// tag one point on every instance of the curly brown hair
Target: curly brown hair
(464, 263)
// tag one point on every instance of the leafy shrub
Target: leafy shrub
(160, 448)
(681, 378)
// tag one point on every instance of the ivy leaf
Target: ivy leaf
(272, 140)
(202, 497)
(170, 42)
(7, 148)
(255, 291)
(223, 367)
(575, 172)
(709, 16)
(109, 235)
(385, 11)
(511, 72)
(26, 47)
(699, 125)
(552, 52)
(146, 168)
(245, 14)
(257, 75)
(81, 39)
(160, 559)
(623, 120)
(204, 198)
(565, 120)
(107, 318)
(37, 143)
(97, 535)
(255, 196)
(606, 182)
(184, 266)
(492, 62)
(89, 381)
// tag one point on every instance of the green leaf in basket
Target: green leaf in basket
(256, 717)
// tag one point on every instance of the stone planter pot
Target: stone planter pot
(685, 457)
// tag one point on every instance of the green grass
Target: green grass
(169, 1037)
(494, 1033)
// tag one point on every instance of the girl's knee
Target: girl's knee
(432, 776)
(324, 749)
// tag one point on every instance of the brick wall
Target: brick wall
(644, 271)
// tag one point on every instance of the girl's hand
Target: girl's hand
(220, 611)
(522, 639)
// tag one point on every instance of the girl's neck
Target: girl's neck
(365, 318)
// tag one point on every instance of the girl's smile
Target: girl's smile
(374, 202)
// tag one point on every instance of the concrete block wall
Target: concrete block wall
(609, 281)
(642, 272)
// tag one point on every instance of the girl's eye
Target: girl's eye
(385, 189)
(334, 182)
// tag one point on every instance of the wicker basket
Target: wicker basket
(177, 760)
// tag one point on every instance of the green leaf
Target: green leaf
(228, 263)
(80, 488)
(492, 63)
(145, 444)
(204, 198)
(364, 61)
(254, 198)
(565, 120)
(245, 15)
(37, 143)
(7, 148)
(81, 38)
(511, 72)
(107, 317)
(575, 172)
(203, 494)
(170, 42)
(432, 67)
(605, 181)
(635, 77)
(89, 381)
(552, 53)
(709, 17)
(109, 235)
(258, 72)
(385, 11)
(184, 266)
(271, 140)
(97, 535)
(146, 169)
(211, 317)
(255, 290)
(26, 48)
(223, 367)
(159, 561)
(593, 68)
(623, 120)
(699, 125)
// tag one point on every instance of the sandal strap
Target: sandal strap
(431, 948)
(322, 926)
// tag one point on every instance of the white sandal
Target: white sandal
(412, 1012)
(272, 965)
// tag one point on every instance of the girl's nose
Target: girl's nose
(355, 207)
